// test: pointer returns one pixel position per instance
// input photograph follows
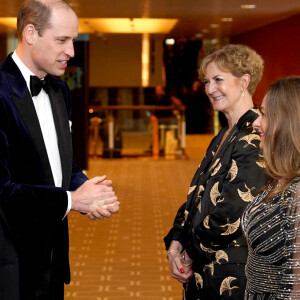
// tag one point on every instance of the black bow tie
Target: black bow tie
(37, 84)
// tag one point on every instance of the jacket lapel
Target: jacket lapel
(24, 104)
(28, 114)
(64, 138)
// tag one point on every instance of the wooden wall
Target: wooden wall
(279, 45)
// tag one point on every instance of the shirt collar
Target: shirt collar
(24, 70)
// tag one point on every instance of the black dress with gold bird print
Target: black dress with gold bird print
(208, 223)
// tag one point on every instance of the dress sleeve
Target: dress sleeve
(229, 193)
(177, 231)
(290, 288)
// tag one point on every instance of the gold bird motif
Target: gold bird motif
(210, 267)
(205, 222)
(208, 250)
(261, 164)
(225, 285)
(249, 138)
(186, 213)
(201, 189)
(191, 189)
(231, 227)
(214, 164)
(232, 138)
(199, 280)
(233, 170)
(221, 255)
(214, 194)
(246, 196)
(199, 207)
(217, 168)
(256, 110)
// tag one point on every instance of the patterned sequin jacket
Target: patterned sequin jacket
(272, 231)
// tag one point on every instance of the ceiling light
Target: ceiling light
(9, 22)
(226, 19)
(198, 35)
(169, 41)
(115, 25)
(248, 6)
(126, 25)
(214, 25)
(204, 30)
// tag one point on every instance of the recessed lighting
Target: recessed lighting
(214, 25)
(204, 30)
(115, 25)
(248, 6)
(226, 19)
(169, 41)
(198, 35)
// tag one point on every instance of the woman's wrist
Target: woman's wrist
(172, 251)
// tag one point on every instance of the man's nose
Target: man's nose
(70, 50)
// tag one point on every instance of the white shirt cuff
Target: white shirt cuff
(69, 204)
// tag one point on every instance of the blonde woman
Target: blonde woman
(271, 222)
(206, 248)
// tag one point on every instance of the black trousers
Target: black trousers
(54, 290)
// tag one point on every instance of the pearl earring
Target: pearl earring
(243, 93)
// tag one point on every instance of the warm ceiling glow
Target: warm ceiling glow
(9, 22)
(126, 25)
(248, 6)
(170, 41)
(226, 19)
(115, 25)
(145, 59)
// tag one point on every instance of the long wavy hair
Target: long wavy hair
(281, 146)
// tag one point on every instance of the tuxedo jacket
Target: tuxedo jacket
(33, 230)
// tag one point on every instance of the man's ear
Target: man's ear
(245, 80)
(29, 34)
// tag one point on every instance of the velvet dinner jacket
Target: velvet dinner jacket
(33, 234)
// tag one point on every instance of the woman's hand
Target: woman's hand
(179, 271)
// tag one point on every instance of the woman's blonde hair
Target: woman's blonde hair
(238, 60)
(282, 137)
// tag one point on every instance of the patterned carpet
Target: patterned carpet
(123, 257)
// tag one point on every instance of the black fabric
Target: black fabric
(33, 236)
(36, 85)
(208, 224)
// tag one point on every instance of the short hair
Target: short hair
(238, 60)
(281, 146)
(37, 13)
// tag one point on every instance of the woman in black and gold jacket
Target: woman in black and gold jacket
(206, 249)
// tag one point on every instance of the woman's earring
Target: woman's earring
(243, 93)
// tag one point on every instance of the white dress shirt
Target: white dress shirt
(44, 112)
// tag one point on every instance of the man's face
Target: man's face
(51, 51)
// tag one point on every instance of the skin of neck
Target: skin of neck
(234, 115)
(23, 52)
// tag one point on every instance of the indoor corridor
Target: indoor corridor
(123, 257)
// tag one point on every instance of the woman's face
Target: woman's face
(261, 123)
(223, 89)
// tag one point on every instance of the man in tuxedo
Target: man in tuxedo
(39, 181)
